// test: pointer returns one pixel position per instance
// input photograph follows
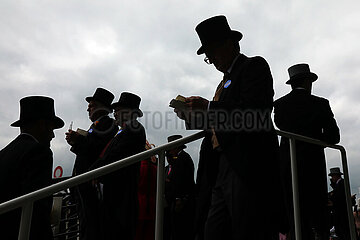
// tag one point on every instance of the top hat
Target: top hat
(129, 100)
(103, 96)
(300, 72)
(175, 137)
(37, 107)
(213, 30)
(335, 171)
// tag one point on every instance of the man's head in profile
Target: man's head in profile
(37, 118)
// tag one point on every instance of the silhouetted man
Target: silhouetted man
(179, 192)
(87, 148)
(338, 202)
(246, 150)
(302, 113)
(120, 189)
(26, 165)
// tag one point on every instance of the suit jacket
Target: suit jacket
(25, 166)
(88, 149)
(242, 120)
(181, 178)
(243, 126)
(305, 114)
(120, 188)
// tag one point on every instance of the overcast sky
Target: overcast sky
(66, 49)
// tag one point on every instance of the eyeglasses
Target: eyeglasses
(207, 60)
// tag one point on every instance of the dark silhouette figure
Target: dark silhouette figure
(145, 229)
(179, 193)
(120, 200)
(302, 113)
(87, 148)
(246, 150)
(26, 165)
(337, 199)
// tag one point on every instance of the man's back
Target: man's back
(25, 166)
(305, 114)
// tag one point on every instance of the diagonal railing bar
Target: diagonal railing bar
(74, 181)
(26, 201)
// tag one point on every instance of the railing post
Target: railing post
(160, 197)
(348, 195)
(295, 188)
(25, 223)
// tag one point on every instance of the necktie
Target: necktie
(216, 97)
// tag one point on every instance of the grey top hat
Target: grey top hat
(300, 72)
(35, 108)
(335, 171)
(215, 29)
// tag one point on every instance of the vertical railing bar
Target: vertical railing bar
(295, 188)
(348, 194)
(25, 222)
(159, 220)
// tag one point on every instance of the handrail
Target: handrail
(27, 200)
(292, 137)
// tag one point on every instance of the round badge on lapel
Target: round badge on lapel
(90, 130)
(227, 84)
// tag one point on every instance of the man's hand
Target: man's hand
(72, 137)
(197, 103)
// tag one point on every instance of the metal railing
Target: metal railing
(292, 138)
(26, 201)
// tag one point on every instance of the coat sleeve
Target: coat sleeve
(331, 132)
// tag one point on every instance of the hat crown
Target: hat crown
(103, 96)
(298, 69)
(335, 170)
(215, 29)
(37, 107)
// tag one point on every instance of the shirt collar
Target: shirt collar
(233, 63)
(27, 134)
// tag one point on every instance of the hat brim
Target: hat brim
(233, 35)
(137, 110)
(312, 76)
(88, 99)
(58, 123)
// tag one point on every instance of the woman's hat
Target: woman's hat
(300, 72)
(215, 30)
(103, 96)
(129, 100)
(35, 108)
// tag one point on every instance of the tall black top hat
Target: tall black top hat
(335, 171)
(37, 107)
(175, 137)
(129, 100)
(103, 96)
(215, 29)
(300, 72)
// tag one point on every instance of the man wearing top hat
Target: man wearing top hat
(179, 193)
(87, 148)
(26, 165)
(120, 201)
(245, 151)
(302, 113)
(338, 204)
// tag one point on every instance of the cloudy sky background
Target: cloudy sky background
(66, 49)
